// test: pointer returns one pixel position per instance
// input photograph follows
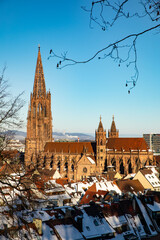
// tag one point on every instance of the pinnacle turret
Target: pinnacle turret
(113, 132)
(100, 126)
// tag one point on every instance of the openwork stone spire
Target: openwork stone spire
(39, 88)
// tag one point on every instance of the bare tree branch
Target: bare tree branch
(113, 49)
(106, 13)
(9, 106)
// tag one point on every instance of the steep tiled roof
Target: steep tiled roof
(112, 209)
(127, 144)
(47, 172)
(146, 171)
(94, 196)
(62, 181)
(157, 160)
(8, 169)
(127, 207)
(70, 147)
(110, 175)
(130, 186)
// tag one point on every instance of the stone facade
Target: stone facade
(77, 160)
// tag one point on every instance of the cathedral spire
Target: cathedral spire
(100, 127)
(113, 132)
(39, 119)
(39, 88)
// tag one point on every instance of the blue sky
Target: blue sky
(81, 93)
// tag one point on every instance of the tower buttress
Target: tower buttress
(100, 147)
(39, 119)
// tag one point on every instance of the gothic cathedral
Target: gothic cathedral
(77, 160)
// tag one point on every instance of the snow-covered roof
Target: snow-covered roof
(155, 207)
(68, 232)
(146, 217)
(130, 175)
(48, 233)
(91, 160)
(115, 221)
(95, 226)
(107, 186)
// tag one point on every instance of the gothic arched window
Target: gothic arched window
(129, 166)
(51, 164)
(45, 111)
(59, 166)
(44, 162)
(72, 167)
(113, 162)
(34, 110)
(121, 167)
(66, 166)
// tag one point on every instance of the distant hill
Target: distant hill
(58, 136)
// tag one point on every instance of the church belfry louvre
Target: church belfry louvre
(77, 160)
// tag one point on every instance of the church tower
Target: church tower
(100, 147)
(113, 132)
(39, 120)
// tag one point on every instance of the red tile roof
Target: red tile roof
(70, 147)
(130, 186)
(62, 181)
(127, 144)
(146, 171)
(92, 196)
(127, 207)
(112, 209)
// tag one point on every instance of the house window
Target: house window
(101, 221)
(88, 228)
(95, 222)
(52, 232)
